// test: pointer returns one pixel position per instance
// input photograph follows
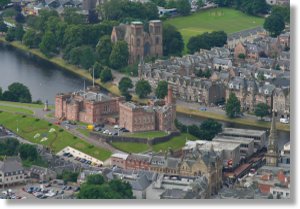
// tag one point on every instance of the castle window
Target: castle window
(157, 40)
(138, 42)
(157, 29)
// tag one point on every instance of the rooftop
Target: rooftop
(243, 132)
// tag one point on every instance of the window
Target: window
(157, 40)
(138, 42)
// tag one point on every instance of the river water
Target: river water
(46, 80)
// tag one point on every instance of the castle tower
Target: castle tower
(156, 35)
(272, 154)
(136, 42)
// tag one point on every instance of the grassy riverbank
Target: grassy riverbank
(114, 90)
(242, 121)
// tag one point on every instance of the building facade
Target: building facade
(89, 106)
(11, 171)
(141, 44)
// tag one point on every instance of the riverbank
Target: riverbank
(111, 87)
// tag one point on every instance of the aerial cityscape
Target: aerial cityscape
(145, 99)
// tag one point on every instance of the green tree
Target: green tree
(95, 179)
(10, 35)
(72, 17)
(200, 3)
(209, 129)
(261, 76)
(106, 75)
(69, 176)
(9, 147)
(97, 70)
(142, 88)
(161, 90)
(125, 84)
(274, 24)
(17, 92)
(19, 32)
(161, 3)
(19, 18)
(1, 93)
(183, 7)
(233, 106)
(261, 110)
(242, 56)
(28, 152)
(32, 38)
(284, 11)
(48, 45)
(119, 55)
(103, 49)
(87, 57)
(4, 3)
(172, 41)
(3, 27)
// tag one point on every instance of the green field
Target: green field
(175, 143)
(228, 20)
(15, 109)
(147, 134)
(131, 147)
(30, 126)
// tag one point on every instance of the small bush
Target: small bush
(61, 130)
(24, 116)
(37, 119)
(91, 146)
(49, 124)
(74, 137)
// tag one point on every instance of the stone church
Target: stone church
(141, 43)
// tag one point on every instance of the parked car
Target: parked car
(203, 109)
(125, 130)
(116, 127)
(284, 120)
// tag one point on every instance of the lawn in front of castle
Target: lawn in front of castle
(38, 131)
(226, 19)
(147, 134)
(175, 143)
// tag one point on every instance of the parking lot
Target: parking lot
(51, 190)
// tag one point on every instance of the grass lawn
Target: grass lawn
(131, 147)
(15, 109)
(175, 143)
(84, 131)
(226, 19)
(30, 126)
(147, 134)
(28, 105)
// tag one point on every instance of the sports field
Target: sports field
(226, 19)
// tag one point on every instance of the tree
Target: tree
(3, 3)
(200, 3)
(72, 17)
(161, 3)
(9, 147)
(274, 24)
(125, 84)
(87, 57)
(183, 7)
(261, 110)
(142, 88)
(97, 70)
(119, 55)
(260, 76)
(32, 38)
(284, 11)
(17, 92)
(48, 44)
(28, 152)
(106, 75)
(242, 56)
(19, 18)
(161, 90)
(19, 32)
(172, 41)
(233, 106)
(10, 35)
(103, 49)
(3, 27)
(209, 129)
(1, 92)
(93, 17)
(69, 176)
(95, 179)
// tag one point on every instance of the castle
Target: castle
(158, 115)
(88, 106)
(140, 43)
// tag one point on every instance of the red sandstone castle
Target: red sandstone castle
(90, 106)
(158, 115)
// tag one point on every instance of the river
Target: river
(45, 80)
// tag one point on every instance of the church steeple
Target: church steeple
(272, 154)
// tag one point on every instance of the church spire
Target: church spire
(272, 154)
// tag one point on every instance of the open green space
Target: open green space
(131, 147)
(147, 134)
(228, 20)
(29, 126)
(28, 105)
(175, 143)
(15, 109)
(84, 131)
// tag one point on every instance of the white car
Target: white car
(284, 120)
(116, 126)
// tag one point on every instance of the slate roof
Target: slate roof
(11, 164)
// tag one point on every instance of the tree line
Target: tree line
(16, 92)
